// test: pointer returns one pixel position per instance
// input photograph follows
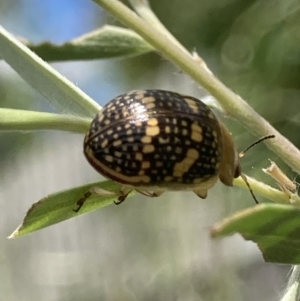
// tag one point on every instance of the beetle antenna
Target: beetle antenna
(243, 176)
(241, 154)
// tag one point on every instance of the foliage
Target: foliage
(146, 34)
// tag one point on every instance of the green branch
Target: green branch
(232, 103)
(23, 120)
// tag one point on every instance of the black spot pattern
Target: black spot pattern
(174, 123)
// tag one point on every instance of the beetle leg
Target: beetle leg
(126, 190)
(93, 190)
(201, 193)
(153, 194)
(123, 194)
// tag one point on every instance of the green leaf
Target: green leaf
(22, 120)
(60, 92)
(59, 206)
(106, 42)
(275, 228)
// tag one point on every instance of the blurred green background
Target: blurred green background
(145, 249)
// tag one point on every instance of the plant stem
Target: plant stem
(143, 9)
(232, 104)
(268, 192)
(23, 120)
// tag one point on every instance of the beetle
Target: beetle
(153, 141)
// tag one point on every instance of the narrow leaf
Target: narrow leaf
(275, 228)
(59, 91)
(106, 42)
(292, 291)
(22, 120)
(59, 206)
